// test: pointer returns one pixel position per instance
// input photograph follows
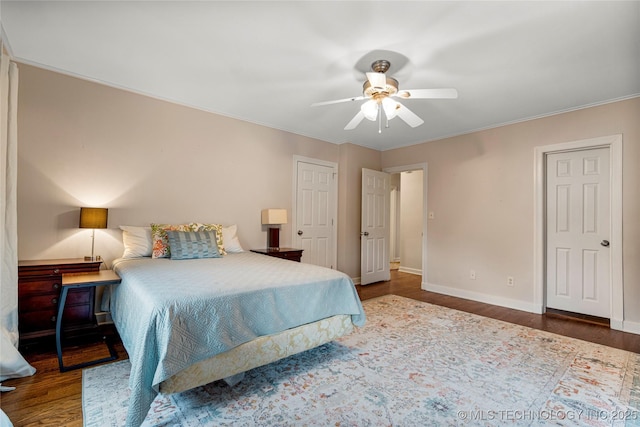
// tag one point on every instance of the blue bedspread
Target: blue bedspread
(173, 313)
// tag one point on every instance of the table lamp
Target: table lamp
(274, 217)
(93, 218)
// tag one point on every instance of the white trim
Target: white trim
(410, 270)
(522, 120)
(480, 297)
(4, 42)
(627, 326)
(424, 167)
(294, 205)
(614, 143)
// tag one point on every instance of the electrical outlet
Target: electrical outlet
(472, 274)
(510, 281)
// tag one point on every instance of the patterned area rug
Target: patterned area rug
(413, 364)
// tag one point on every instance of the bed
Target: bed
(188, 322)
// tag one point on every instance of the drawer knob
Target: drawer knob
(53, 319)
(56, 286)
(56, 271)
(54, 301)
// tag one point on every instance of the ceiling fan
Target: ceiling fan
(379, 90)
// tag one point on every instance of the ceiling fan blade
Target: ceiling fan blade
(408, 116)
(338, 101)
(355, 121)
(378, 80)
(449, 93)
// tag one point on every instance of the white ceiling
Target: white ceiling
(266, 62)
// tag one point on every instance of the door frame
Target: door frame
(614, 143)
(424, 168)
(334, 190)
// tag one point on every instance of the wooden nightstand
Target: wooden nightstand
(39, 287)
(284, 253)
(73, 282)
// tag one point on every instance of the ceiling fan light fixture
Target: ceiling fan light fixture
(377, 92)
(390, 108)
(370, 110)
(390, 88)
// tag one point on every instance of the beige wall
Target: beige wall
(480, 187)
(86, 144)
(352, 159)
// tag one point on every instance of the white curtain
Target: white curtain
(12, 364)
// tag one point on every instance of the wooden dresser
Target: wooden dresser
(284, 253)
(39, 286)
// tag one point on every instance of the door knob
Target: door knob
(364, 233)
(605, 243)
(300, 233)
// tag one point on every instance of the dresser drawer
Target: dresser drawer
(40, 285)
(55, 267)
(77, 314)
(284, 253)
(40, 272)
(294, 256)
(46, 301)
(45, 319)
(37, 303)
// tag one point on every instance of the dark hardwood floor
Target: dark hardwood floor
(51, 398)
(408, 285)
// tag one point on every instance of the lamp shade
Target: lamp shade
(93, 217)
(274, 216)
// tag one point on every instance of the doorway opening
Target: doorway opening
(406, 228)
(408, 219)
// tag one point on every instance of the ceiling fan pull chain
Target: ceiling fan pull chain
(379, 119)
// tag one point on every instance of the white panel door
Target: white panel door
(578, 227)
(315, 208)
(374, 234)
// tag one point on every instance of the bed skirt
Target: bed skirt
(261, 351)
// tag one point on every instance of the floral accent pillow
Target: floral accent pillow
(161, 248)
(160, 240)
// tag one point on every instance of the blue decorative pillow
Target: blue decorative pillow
(193, 244)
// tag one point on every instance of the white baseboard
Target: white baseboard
(356, 280)
(631, 327)
(416, 271)
(625, 325)
(480, 297)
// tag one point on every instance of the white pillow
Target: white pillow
(230, 239)
(137, 241)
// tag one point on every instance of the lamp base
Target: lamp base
(273, 239)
